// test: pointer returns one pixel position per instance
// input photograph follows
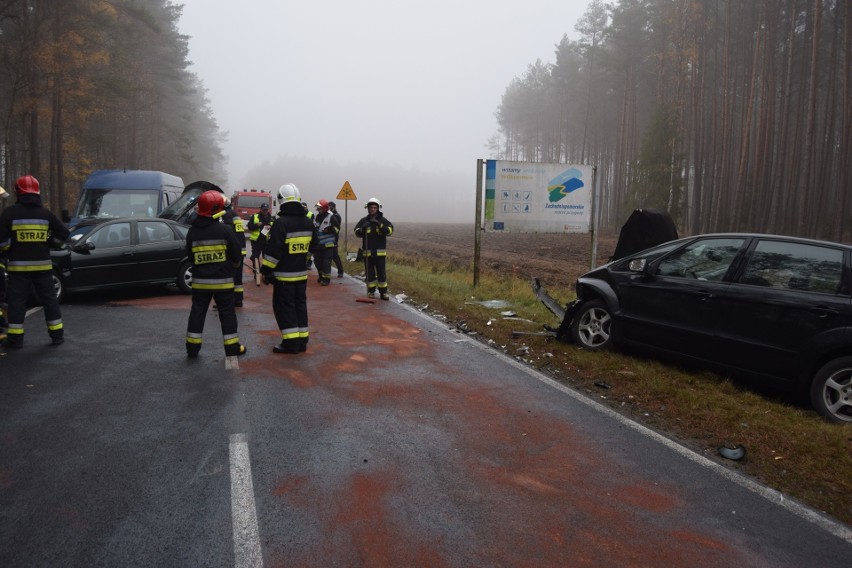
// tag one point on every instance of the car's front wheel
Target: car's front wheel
(184, 278)
(591, 327)
(831, 390)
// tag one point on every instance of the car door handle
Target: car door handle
(822, 312)
(127, 254)
(703, 296)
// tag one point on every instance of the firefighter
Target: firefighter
(233, 221)
(374, 230)
(215, 253)
(285, 266)
(3, 307)
(332, 206)
(259, 226)
(27, 232)
(327, 229)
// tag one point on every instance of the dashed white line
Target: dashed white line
(247, 553)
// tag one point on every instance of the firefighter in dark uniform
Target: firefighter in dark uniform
(328, 228)
(285, 266)
(3, 307)
(256, 225)
(374, 230)
(332, 206)
(27, 231)
(215, 253)
(233, 221)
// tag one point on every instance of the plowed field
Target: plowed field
(556, 259)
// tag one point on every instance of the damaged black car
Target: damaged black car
(763, 306)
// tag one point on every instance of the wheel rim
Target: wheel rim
(187, 277)
(837, 394)
(594, 327)
(57, 286)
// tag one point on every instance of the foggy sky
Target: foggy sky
(399, 94)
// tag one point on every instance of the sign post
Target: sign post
(346, 194)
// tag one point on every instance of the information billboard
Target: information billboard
(533, 197)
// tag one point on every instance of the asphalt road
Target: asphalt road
(393, 441)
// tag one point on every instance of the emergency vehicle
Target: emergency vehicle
(247, 203)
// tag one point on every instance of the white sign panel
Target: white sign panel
(532, 197)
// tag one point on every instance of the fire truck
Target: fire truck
(247, 202)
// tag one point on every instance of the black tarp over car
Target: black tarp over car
(644, 229)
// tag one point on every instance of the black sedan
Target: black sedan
(764, 306)
(124, 253)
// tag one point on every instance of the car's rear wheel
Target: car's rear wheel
(592, 325)
(59, 286)
(831, 390)
(184, 278)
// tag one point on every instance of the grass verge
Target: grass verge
(789, 447)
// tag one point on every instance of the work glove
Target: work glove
(268, 278)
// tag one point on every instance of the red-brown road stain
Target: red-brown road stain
(531, 489)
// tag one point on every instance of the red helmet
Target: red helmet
(322, 205)
(27, 185)
(210, 203)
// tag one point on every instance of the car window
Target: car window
(794, 266)
(154, 232)
(111, 236)
(649, 255)
(704, 259)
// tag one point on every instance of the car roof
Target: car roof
(790, 238)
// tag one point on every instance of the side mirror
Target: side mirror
(637, 265)
(83, 247)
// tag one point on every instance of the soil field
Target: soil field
(556, 259)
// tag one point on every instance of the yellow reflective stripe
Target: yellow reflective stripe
(199, 286)
(29, 225)
(193, 340)
(55, 327)
(232, 341)
(29, 268)
(209, 247)
(15, 330)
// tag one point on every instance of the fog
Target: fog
(398, 98)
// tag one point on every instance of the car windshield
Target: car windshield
(114, 203)
(252, 201)
(177, 210)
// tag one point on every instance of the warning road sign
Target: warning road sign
(346, 192)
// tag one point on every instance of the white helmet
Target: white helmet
(288, 192)
(373, 200)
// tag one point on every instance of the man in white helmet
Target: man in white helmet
(374, 229)
(285, 266)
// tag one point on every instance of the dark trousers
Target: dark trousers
(323, 256)
(19, 286)
(238, 284)
(227, 318)
(336, 259)
(377, 276)
(290, 307)
(256, 249)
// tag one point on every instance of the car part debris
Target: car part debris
(547, 300)
(735, 454)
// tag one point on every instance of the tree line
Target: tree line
(99, 84)
(731, 115)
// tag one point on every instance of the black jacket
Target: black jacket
(374, 232)
(293, 235)
(26, 232)
(214, 252)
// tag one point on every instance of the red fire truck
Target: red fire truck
(247, 202)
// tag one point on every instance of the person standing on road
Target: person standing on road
(215, 253)
(327, 231)
(259, 226)
(374, 229)
(233, 221)
(332, 206)
(27, 231)
(285, 258)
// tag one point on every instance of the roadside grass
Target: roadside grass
(788, 446)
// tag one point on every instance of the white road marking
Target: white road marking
(232, 363)
(247, 553)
